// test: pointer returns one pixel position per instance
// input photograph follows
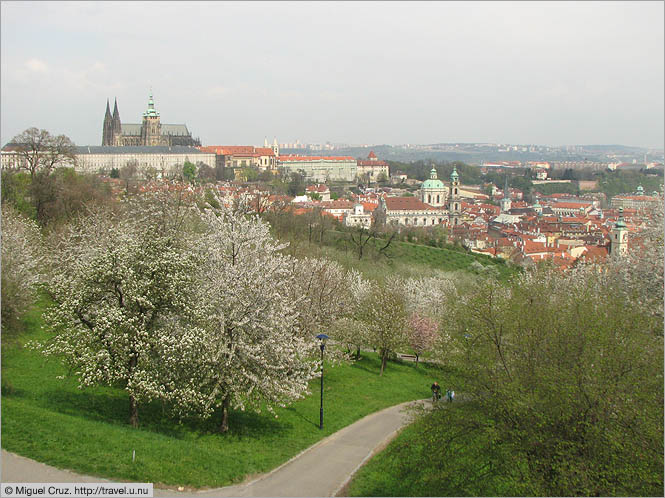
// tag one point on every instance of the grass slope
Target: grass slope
(52, 421)
(405, 259)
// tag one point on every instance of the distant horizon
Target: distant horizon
(380, 144)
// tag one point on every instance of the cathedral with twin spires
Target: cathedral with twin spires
(150, 132)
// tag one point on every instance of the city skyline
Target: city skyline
(545, 73)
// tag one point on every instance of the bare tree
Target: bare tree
(128, 173)
(39, 151)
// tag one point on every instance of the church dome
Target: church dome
(433, 182)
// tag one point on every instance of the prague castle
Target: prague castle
(151, 132)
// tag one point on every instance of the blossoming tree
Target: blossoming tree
(121, 282)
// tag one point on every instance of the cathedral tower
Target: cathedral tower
(117, 126)
(151, 131)
(107, 130)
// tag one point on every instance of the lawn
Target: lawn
(52, 421)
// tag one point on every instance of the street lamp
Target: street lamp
(322, 338)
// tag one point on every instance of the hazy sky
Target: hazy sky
(372, 72)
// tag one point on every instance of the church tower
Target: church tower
(506, 203)
(275, 147)
(454, 203)
(151, 129)
(619, 243)
(107, 130)
(117, 126)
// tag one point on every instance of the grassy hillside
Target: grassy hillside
(405, 259)
(52, 421)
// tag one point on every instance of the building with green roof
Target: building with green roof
(433, 191)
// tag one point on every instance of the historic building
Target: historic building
(320, 169)
(372, 168)
(410, 211)
(151, 132)
(433, 191)
(95, 159)
(242, 156)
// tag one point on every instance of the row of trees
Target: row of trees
(198, 307)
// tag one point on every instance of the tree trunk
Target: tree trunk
(417, 360)
(133, 412)
(224, 425)
(384, 357)
(358, 353)
(133, 408)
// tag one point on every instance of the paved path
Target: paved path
(321, 470)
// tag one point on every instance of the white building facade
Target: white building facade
(93, 159)
(320, 168)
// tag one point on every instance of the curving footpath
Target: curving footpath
(323, 469)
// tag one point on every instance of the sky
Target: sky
(548, 73)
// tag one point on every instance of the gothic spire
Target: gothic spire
(117, 127)
(107, 128)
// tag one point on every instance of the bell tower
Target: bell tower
(619, 243)
(151, 129)
(454, 204)
(506, 203)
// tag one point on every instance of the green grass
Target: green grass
(405, 259)
(52, 421)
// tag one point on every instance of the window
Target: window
(424, 221)
(437, 199)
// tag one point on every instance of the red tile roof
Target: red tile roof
(406, 204)
(369, 162)
(237, 150)
(371, 154)
(571, 205)
(317, 188)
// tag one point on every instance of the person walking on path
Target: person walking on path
(436, 391)
(449, 395)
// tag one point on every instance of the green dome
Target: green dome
(432, 184)
(454, 176)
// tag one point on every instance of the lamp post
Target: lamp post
(322, 338)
